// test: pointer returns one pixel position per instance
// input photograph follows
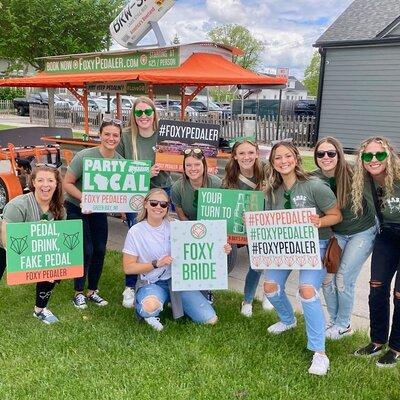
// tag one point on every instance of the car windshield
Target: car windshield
(101, 102)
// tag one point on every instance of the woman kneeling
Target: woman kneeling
(147, 251)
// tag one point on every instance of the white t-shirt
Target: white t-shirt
(150, 243)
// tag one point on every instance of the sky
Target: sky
(287, 28)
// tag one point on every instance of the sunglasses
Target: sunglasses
(196, 151)
(379, 155)
(155, 203)
(148, 112)
(287, 205)
(329, 153)
(115, 121)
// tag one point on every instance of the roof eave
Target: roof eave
(364, 42)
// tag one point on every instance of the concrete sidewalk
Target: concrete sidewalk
(360, 319)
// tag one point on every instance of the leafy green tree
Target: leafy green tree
(40, 28)
(311, 75)
(239, 36)
(222, 94)
(7, 93)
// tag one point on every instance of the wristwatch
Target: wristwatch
(154, 263)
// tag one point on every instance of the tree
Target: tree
(239, 36)
(311, 75)
(40, 28)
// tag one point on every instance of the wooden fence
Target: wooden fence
(7, 107)
(264, 129)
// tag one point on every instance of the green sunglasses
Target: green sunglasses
(287, 204)
(379, 155)
(148, 111)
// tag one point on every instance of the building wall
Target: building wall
(361, 94)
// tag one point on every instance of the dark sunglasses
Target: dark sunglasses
(147, 111)
(329, 153)
(115, 121)
(155, 203)
(287, 204)
(379, 155)
(196, 151)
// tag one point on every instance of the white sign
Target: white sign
(283, 239)
(199, 261)
(282, 71)
(132, 23)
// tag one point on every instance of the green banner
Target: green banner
(43, 251)
(230, 205)
(149, 59)
(114, 185)
(136, 88)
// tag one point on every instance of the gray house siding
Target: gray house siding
(361, 94)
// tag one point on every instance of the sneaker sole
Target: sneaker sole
(318, 373)
(368, 355)
(42, 320)
(79, 307)
(105, 303)
(379, 365)
(278, 333)
(128, 305)
(343, 335)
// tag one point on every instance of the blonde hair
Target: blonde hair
(142, 215)
(273, 179)
(392, 172)
(232, 169)
(342, 170)
(133, 127)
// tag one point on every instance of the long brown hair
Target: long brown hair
(273, 179)
(343, 170)
(56, 204)
(360, 174)
(200, 156)
(143, 212)
(232, 169)
(133, 127)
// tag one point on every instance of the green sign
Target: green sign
(149, 59)
(114, 185)
(199, 261)
(230, 205)
(136, 88)
(44, 251)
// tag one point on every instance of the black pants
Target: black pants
(43, 289)
(384, 265)
(95, 233)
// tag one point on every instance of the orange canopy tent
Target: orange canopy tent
(200, 69)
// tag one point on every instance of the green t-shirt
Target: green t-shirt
(145, 151)
(306, 194)
(76, 168)
(351, 223)
(183, 195)
(390, 208)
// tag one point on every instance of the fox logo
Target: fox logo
(393, 204)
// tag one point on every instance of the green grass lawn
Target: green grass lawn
(102, 353)
(3, 126)
(308, 163)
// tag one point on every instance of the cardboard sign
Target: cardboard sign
(229, 205)
(199, 260)
(174, 137)
(283, 239)
(44, 251)
(112, 185)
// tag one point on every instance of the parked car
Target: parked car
(41, 98)
(305, 107)
(201, 107)
(126, 101)
(176, 108)
(163, 102)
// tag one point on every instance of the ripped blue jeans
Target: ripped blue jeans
(312, 308)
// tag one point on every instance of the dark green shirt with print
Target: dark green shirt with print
(145, 151)
(351, 223)
(183, 195)
(307, 194)
(76, 168)
(390, 208)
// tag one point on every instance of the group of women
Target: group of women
(359, 204)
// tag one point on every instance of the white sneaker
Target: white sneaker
(336, 332)
(329, 325)
(319, 365)
(266, 304)
(155, 323)
(128, 297)
(247, 309)
(280, 327)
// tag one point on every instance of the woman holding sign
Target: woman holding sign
(245, 171)
(95, 227)
(44, 202)
(289, 186)
(138, 143)
(147, 251)
(377, 179)
(355, 235)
